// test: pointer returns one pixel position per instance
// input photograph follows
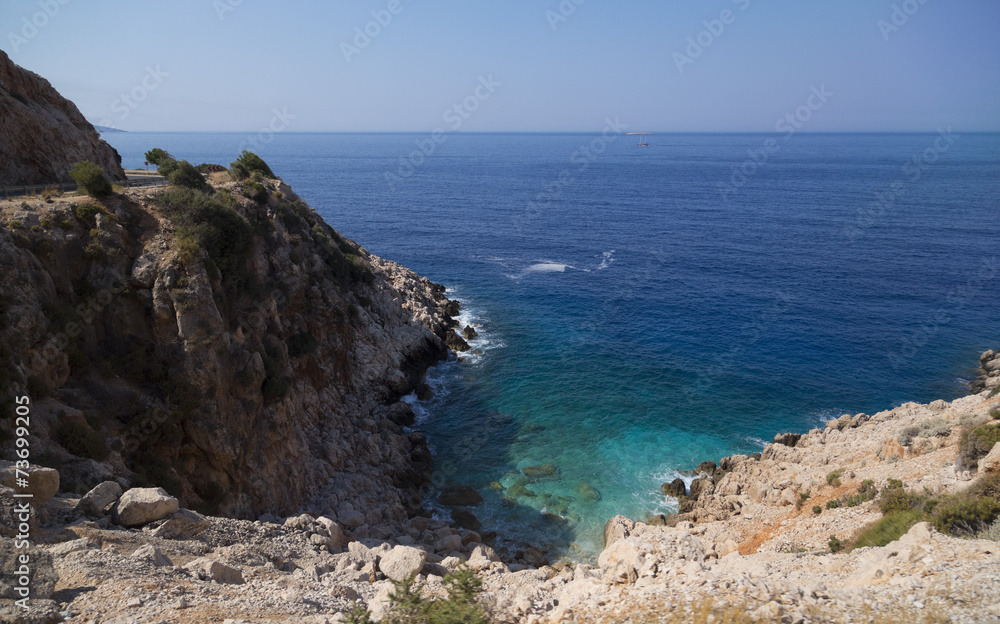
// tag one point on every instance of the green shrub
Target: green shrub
(14, 224)
(986, 485)
(90, 177)
(965, 515)
(894, 500)
(256, 191)
(833, 479)
(832, 504)
(87, 213)
(992, 533)
(82, 441)
(157, 156)
(209, 224)
(408, 606)
(94, 251)
(835, 544)
(889, 529)
(906, 436)
(976, 444)
(167, 167)
(995, 413)
(817, 509)
(934, 427)
(184, 174)
(249, 163)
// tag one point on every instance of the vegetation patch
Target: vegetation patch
(833, 479)
(82, 441)
(249, 163)
(889, 529)
(410, 607)
(91, 178)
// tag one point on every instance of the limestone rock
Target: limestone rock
(675, 488)
(43, 483)
(150, 553)
(140, 506)
(622, 561)
(481, 557)
(402, 562)
(617, 528)
(96, 501)
(350, 518)
(72, 546)
(990, 463)
(182, 524)
(209, 570)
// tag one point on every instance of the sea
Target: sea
(640, 309)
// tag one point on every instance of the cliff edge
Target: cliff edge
(44, 133)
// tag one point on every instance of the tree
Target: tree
(90, 177)
(158, 156)
(183, 173)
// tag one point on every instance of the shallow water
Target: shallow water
(639, 314)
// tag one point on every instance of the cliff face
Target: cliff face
(237, 351)
(43, 133)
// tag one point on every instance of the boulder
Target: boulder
(140, 506)
(72, 546)
(707, 467)
(617, 528)
(455, 342)
(96, 501)
(540, 471)
(481, 557)
(469, 332)
(402, 562)
(622, 561)
(401, 413)
(149, 553)
(43, 483)
(465, 519)
(675, 488)
(302, 522)
(699, 486)
(182, 524)
(350, 518)
(449, 543)
(788, 439)
(459, 496)
(209, 570)
(990, 463)
(335, 532)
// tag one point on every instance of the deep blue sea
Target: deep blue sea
(642, 309)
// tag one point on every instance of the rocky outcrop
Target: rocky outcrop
(44, 133)
(989, 372)
(258, 370)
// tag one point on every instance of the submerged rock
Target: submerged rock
(587, 492)
(459, 496)
(465, 519)
(540, 471)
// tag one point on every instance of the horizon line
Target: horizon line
(541, 132)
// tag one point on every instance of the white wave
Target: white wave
(607, 258)
(548, 267)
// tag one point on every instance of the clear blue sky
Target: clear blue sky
(941, 67)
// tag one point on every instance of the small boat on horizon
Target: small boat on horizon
(642, 140)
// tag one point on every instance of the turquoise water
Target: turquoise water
(648, 313)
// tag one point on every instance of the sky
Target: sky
(516, 65)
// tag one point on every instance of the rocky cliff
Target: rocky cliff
(44, 133)
(238, 352)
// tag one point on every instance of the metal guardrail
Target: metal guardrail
(7, 192)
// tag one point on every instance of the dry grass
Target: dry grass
(712, 611)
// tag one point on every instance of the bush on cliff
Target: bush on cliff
(185, 174)
(410, 607)
(976, 444)
(247, 164)
(212, 226)
(90, 177)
